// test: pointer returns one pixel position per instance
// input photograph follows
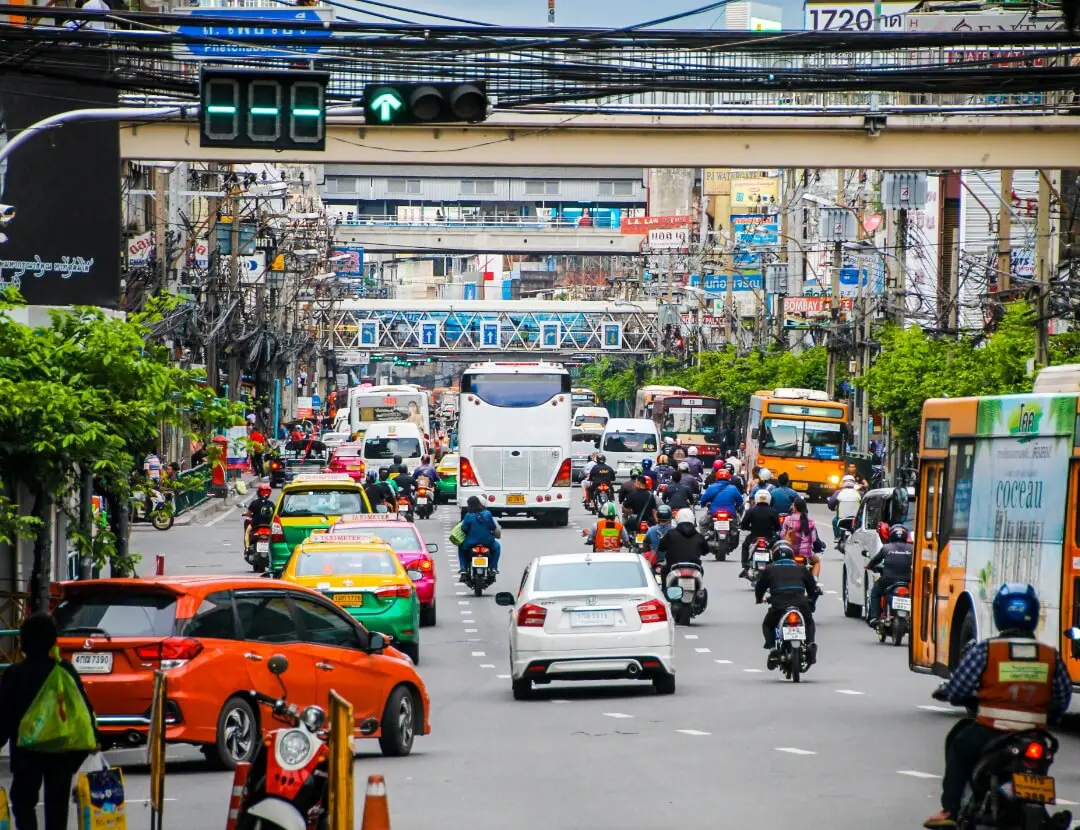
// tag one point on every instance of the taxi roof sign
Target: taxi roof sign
(347, 539)
(325, 477)
(369, 517)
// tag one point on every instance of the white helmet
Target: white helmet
(692, 451)
(684, 516)
(848, 481)
(763, 496)
(764, 474)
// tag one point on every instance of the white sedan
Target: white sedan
(590, 616)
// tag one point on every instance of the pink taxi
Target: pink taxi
(409, 546)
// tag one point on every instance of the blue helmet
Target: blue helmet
(646, 464)
(1016, 606)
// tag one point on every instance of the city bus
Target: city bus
(583, 397)
(646, 395)
(999, 488)
(514, 440)
(690, 421)
(385, 404)
(799, 432)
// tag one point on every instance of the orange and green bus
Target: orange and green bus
(998, 491)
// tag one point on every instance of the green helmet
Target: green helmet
(635, 472)
(608, 510)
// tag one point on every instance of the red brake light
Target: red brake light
(394, 591)
(479, 550)
(722, 514)
(426, 564)
(644, 527)
(903, 590)
(277, 533)
(800, 559)
(653, 611)
(562, 478)
(262, 531)
(1034, 751)
(175, 650)
(793, 618)
(687, 572)
(466, 473)
(531, 616)
(275, 465)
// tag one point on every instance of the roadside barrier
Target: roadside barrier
(376, 807)
(342, 727)
(239, 780)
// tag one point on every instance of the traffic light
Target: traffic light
(426, 103)
(255, 109)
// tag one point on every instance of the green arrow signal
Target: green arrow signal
(386, 105)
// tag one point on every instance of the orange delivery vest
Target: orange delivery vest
(1017, 684)
(608, 535)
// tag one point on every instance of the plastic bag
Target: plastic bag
(457, 535)
(58, 720)
(99, 794)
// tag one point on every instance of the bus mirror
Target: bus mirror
(1072, 634)
(753, 433)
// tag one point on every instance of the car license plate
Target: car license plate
(480, 562)
(800, 485)
(92, 662)
(581, 619)
(722, 524)
(761, 557)
(421, 499)
(349, 599)
(793, 632)
(1031, 787)
(515, 498)
(262, 547)
(901, 603)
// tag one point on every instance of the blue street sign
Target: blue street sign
(549, 335)
(369, 333)
(429, 334)
(612, 335)
(316, 402)
(470, 291)
(258, 22)
(489, 333)
(717, 283)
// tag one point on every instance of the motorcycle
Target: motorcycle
(760, 557)
(425, 500)
(639, 537)
(275, 468)
(405, 508)
(792, 653)
(844, 528)
(479, 575)
(257, 549)
(685, 589)
(601, 496)
(159, 514)
(895, 618)
(722, 539)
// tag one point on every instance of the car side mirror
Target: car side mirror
(377, 642)
(432, 547)
(504, 598)
(847, 524)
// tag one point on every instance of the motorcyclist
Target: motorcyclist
(398, 467)
(789, 585)
(736, 477)
(629, 485)
(377, 494)
(760, 522)
(894, 559)
(663, 472)
(426, 470)
(688, 480)
(406, 485)
(260, 510)
(735, 463)
(601, 473)
(640, 506)
(664, 517)
(678, 495)
(609, 533)
(764, 482)
(783, 496)
(480, 529)
(697, 466)
(844, 503)
(389, 484)
(1007, 702)
(585, 470)
(717, 466)
(682, 544)
(722, 494)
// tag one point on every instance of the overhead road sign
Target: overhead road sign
(251, 23)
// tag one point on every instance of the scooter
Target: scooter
(791, 655)
(479, 576)
(257, 548)
(160, 514)
(895, 618)
(275, 471)
(722, 539)
(760, 557)
(425, 501)
(601, 496)
(692, 599)
(405, 508)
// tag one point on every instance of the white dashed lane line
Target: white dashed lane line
(690, 636)
(487, 665)
(753, 671)
(723, 662)
(695, 732)
(503, 676)
(468, 621)
(479, 654)
(616, 715)
(848, 692)
(703, 650)
(462, 602)
(794, 750)
(472, 630)
(914, 773)
(929, 708)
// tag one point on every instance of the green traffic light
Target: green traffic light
(386, 105)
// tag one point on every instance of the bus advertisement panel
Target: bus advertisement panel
(1003, 469)
(387, 404)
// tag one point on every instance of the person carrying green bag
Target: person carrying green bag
(49, 722)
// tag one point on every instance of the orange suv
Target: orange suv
(213, 637)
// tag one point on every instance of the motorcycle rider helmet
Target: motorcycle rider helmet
(663, 513)
(692, 451)
(397, 459)
(723, 475)
(1016, 607)
(684, 516)
(764, 474)
(729, 467)
(635, 472)
(684, 467)
(646, 465)
(898, 533)
(264, 490)
(763, 497)
(662, 459)
(601, 459)
(608, 510)
(371, 477)
(848, 481)
(718, 465)
(782, 550)
(649, 483)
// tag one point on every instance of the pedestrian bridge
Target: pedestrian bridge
(478, 328)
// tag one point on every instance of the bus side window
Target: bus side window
(929, 514)
(927, 602)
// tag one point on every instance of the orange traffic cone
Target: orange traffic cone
(239, 780)
(376, 809)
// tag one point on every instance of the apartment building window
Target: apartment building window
(341, 184)
(477, 187)
(403, 186)
(537, 188)
(616, 188)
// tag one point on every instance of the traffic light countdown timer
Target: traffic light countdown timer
(256, 109)
(441, 103)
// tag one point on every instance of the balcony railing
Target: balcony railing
(498, 222)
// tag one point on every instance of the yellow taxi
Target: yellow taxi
(361, 573)
(310, 503)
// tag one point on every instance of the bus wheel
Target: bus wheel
(561, 518)
(965, 632)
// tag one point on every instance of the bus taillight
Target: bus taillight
(562, 478)
(466, 475)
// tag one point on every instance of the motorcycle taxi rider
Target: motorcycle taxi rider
(1007, 702)
(790, 585)
(260, 510)
(601, 473)
(894, 558)
(609, 533)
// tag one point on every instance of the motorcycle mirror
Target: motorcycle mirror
(1072, 633)
(846, 524)
(278, 664)
(504, 598)
(674, 593)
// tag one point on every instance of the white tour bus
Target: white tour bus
(388, 404)
(514, 440)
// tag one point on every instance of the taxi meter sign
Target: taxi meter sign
(347, 539)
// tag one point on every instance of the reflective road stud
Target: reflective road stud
(376, 809)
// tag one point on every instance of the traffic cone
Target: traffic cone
(376, 809)
(239, 780)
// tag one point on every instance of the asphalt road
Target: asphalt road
(856, 744)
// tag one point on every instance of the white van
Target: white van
(383, 441)
(626, 442)
(590, 419)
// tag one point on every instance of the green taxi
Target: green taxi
(308, 503)
(446, 486)
(361, 573)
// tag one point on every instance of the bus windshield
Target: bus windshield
(801, 439)
(691, 420)
(514, 391)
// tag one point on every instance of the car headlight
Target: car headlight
(313, 718)
(294, 747)
(834, 479)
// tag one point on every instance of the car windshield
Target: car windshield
(321, 502)
(347, 452)
(400, 537)
(383, 449)
(589, 576)
(589, 420)
(345, 563)
(115, 614)
(800, 439)
(629, 442)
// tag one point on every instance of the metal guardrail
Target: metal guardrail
(185, 499)
(599, 223)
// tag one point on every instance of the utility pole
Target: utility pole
(213, 205)
(161, 213)
(834, 290)
(1042, 271)
(1004, 257)
(234, 283)
(729, 297)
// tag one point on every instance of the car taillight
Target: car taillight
(394, 591)
(531, 616)
(793, 618)
(171, 653)
(426, 564)
(562, 478)
(277, 533)
(1034, 751)
(902, 590)
(653, 611)
(466, 473)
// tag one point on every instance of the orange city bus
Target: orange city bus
(799, 432)
(999, 485)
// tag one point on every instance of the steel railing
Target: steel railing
(599, 223)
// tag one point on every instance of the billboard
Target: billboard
(60, 238)
(348, 260)
(755, 229)
(809, 312)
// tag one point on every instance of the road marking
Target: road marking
(460, 593)
(914, 773)
(723, 662)
(848, 692)
(690, 636)
(462, 602)
(226, 544)
(558, 701)
(793, 750)
(487, 665)
(503, 676)
(753, 671)
(616, 715)
(479, 654)
(830, 592)
(703, 650)
(472, 630)
(224, 515)
(465, 611)
(937, 709)
(468, 621)
(1066, 802)
(692, 732)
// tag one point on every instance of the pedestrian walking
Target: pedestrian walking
(30, 767)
